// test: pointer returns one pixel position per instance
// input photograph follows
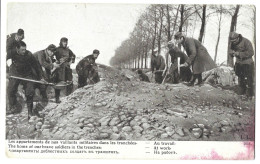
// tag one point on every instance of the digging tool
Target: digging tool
(55, 85)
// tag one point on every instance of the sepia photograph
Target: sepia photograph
(101, 72)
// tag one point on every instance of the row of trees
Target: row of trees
(159, 22)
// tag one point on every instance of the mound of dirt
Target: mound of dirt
(120, 107)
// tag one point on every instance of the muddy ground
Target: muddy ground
(120, 107)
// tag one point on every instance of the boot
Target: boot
(191, 83)
(57, 96)
(199, 80)
(30, 110)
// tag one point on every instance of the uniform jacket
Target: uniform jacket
(199, 57)
(86, 64)
(157, 63)
(245, 50)
(175, 52)
(11, 43)
(24, 65)
(63, 73)
(45, 62)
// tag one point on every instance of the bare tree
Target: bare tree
(230, 60)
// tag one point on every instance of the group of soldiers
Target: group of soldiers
(52, 65)
(37, 70)
(190, 67)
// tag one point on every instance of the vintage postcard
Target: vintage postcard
(151, 80)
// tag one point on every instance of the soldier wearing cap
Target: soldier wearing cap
(242, 49)
(65, 57)
(157, 66)
(44, 59)
(86, 69)
(23, 62)
(185, 72)
(142, 76)
(13, 39)
(198, 57)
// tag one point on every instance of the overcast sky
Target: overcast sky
(87, 26)
(99, 26)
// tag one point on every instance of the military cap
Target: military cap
(233, 36)
(178, 35)
(64, 39)
(96, 51)
(51, 47)
(170, 43)
(20, 32)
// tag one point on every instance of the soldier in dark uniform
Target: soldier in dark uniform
(86, 69)
(157, 66)
(185, 72)
(242, 49)
(12, 41)
(22, 64)
(65, 57)
(198, 57)
(142, 76)
(44, 58)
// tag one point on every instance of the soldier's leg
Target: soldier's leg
(249, 80)
(29, 93)
(57, 95)
(80, 81)
(11, 92)
(199, 79)
(43, 91)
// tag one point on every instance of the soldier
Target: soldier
(86, 69)
(242, 49)
(12, 41)
(157, 64)
(185, 72)
(199, 57)
(44, 58)
(22, 64)
(65, 57)
(142, 76)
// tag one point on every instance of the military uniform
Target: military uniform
(86, 69)
(64, 72)
(11, 42)
(46, 65)
(244, 66)
(198, 57)
(158, 64)
(185, 72)
(22, 66)
(142, 76)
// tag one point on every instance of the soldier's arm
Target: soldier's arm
(79, 67)
(162, 66)
(152, 65)
(192, 51)
(44, 63)
(72, 56)
(35, 64)
(248, 50)
(10, 54)
(9, 44)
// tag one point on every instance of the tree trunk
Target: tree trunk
(219, 29)
(203, 21)
(160, 30)
(168, 23)
(175, 21)
(155, 32)
(230, 60)
(182, 19)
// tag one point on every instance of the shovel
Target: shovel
(59, 85)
